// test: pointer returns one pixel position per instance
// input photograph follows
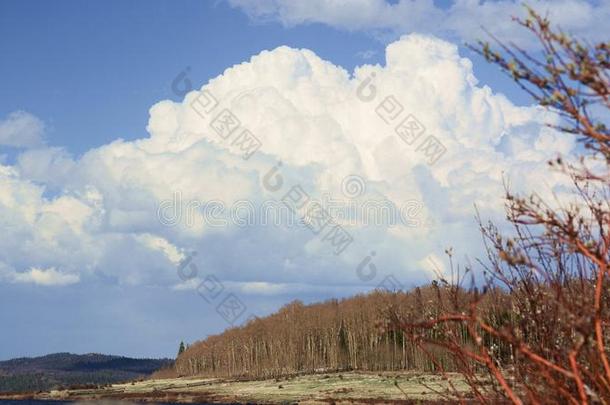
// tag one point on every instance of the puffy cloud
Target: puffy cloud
(21, 129)
(98, 216)
(461, 20)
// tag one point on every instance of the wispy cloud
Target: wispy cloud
(461, 21)
(46, 277)
(368, 54)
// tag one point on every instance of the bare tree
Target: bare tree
(551, 346)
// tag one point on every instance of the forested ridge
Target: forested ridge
(347, 334)
(65, 370)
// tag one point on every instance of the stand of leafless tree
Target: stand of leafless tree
(347, 334)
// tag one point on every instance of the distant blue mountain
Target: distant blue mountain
(69, 370)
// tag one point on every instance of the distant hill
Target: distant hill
(65, 370)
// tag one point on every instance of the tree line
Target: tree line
(347, 334)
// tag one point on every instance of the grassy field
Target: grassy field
(349, 387)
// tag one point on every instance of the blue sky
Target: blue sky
(91, 70)
(88, 73)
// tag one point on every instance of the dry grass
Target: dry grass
(351, 387)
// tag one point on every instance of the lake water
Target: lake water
(101, 402)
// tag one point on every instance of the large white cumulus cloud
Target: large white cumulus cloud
(95, 217)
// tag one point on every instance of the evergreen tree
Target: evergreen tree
(181, 349)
